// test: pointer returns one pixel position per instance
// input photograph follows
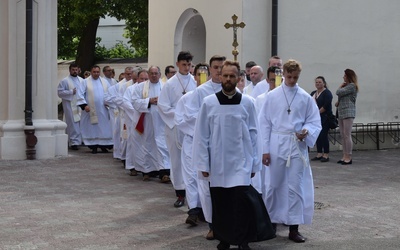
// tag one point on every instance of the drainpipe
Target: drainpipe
(274, 30)
(29, 130)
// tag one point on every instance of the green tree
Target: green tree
(78, 21)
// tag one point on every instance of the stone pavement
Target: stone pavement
(87, 201)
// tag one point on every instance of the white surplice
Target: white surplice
(109, 99)
(65, 92)
(199, 188)
(248, 89)
(130, 115)
(99, 133)
(113, 115)
(189, 173)
(225, 142)
(114, 99)
(173, 90)
(289, 197)
(111, 81)
(260, 88)
(151, 150)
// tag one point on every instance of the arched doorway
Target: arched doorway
(190, 34)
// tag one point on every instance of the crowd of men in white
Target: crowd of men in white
(150, 125)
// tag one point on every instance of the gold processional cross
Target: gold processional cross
(235, 26)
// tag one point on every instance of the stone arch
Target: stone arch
(190, 34)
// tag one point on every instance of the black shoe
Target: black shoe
(223, 246)
(104, 150)
(316, 158)
(133, 172)
(191, 220)
(179, 202)
(244, 246)
(324, 159)
(201, 217)
(146, 177)
(347, 162)
(340, 161)
(94, 150)
(210, 235)
(296, 237)
(74, 147)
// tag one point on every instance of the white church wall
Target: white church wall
(330, 36)
(256, 39)
(162, 25)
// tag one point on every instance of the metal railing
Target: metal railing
(377, 132)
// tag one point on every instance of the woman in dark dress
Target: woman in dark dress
(323, 97)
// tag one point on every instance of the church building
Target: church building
(325, 36)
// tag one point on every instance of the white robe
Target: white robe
(99, 133)
(225, 142)
(289, 197)
(191, 110)
(169, 97)
(260, 88)
(248, 89)
(151, 152)
(189, 173)
(124, 120)
(109, 99)
(111, 81)
(66, 94)
(131, 115)
(264, 176)
(247, 82)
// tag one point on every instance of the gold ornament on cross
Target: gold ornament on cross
(235, 27)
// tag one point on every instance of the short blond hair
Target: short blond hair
(291, 65)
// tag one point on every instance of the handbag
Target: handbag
(333, 121)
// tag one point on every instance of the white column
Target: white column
(50, 132)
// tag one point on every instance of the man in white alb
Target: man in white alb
(113, 98)
(226, 149)
(67, 91)
(177, 86)
(289, 124)
(256, 76)
(95, 119)
(192, 108)
(151, 153)
(263, 86)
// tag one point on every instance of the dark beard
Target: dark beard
(248, 77)
(228, 88)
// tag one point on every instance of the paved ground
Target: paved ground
(87, 201)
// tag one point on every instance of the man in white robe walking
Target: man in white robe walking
(68, 90)
(256, 76)
(177, 86)
(95, 119)
(226, 149)
(290, 123)
(192, 108)
(108, 75)
(183, 114)
(131, 116)
(151, 154)
(113, 98)
(264, 85)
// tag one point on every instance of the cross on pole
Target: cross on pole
(235, 27)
